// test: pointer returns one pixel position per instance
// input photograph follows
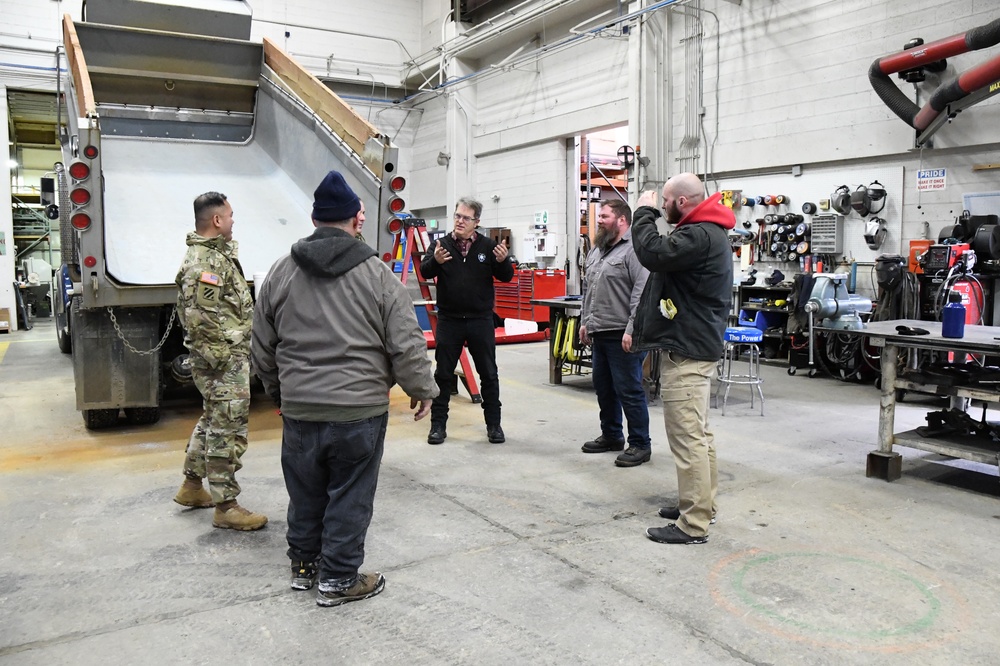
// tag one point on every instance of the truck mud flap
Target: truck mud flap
(108, 375)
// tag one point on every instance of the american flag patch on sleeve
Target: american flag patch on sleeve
(209, 278)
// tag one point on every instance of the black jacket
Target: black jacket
(465, 284)
(693, 268)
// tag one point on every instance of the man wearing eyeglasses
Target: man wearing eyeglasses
(683, 312)
(465, 263)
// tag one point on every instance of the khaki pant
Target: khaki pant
(685, 394)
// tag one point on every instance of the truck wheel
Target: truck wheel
(142, 415)
(63, 338)
(95, 419)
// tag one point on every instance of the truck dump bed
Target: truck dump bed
(147, 210)
(183, 114)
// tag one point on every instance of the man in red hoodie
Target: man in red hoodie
(683, 312)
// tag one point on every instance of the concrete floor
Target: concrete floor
(527, 552)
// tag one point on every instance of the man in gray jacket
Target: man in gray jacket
(613, 283)
(333, 330)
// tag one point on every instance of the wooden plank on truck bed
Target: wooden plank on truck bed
(349, 126)
(78, 67)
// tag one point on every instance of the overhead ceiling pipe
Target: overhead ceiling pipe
(545, 50)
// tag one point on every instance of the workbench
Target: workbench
(557, 307)
(886, 464)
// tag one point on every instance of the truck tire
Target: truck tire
(142, 415)
(96, 419)
(63, 338)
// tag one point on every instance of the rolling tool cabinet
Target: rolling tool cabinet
(514, 298)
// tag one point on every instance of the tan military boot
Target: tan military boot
(232, 516)
(193, 494)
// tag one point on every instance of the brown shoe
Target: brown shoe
(238, 518)
(367, 585)
(193, 494)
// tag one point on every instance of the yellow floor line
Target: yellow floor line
(3, 350)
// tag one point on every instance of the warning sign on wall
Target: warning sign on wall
(931, 179)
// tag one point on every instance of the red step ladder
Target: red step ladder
(413, 238)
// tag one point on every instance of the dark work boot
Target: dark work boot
(602, 444)
(495, 434)
(632, 457)
(438, 434)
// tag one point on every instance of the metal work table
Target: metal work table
(883, 462)
(557, 307)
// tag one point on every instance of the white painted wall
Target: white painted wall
(793, 79)
(427, 177)
(793, 90)
(573, 92)
(527, 181)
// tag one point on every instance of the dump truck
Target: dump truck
(162, 103)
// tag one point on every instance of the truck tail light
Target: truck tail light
(89, 262)
(80, 221)
(80, 196)
(397, 183)
(396, 205)
(395, 225)
(79, 171)
(90, 152)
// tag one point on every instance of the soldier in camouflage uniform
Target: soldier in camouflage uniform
(216, 311)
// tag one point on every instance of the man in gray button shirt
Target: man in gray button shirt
(613, 283)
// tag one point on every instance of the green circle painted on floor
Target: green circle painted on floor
(836, 595)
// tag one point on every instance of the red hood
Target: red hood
(711, 210)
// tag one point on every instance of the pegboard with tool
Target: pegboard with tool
(776, 214)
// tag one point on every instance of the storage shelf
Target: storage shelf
(777, 317)
(612, 177)
(957, 446)
(764, 308)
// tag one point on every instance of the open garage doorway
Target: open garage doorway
(600, 174)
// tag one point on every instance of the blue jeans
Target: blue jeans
(331, 471)
(617, 376)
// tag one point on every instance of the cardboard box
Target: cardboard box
(4, 320)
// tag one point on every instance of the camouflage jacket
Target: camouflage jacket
(213, 301)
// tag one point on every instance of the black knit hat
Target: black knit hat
(334, 200)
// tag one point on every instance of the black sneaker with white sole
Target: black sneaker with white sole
(673, 534)
(303, 575)
(673, 513)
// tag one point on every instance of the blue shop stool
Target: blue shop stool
(740, 340)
